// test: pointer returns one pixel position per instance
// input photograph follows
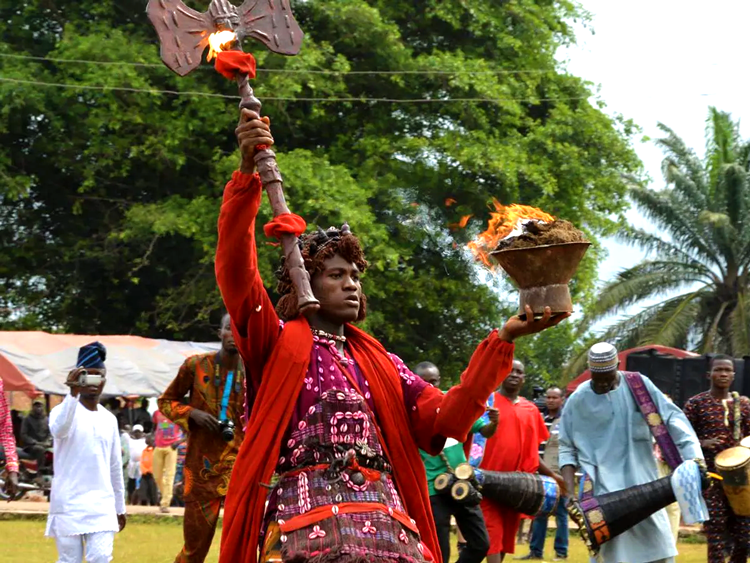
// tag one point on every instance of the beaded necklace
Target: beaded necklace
(328, 335)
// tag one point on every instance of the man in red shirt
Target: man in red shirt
(167, 438)
(514, 447)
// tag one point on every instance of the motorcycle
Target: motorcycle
(30, 476)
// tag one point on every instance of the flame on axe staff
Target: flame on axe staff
(218, 42)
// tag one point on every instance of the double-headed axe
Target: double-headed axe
(184, 34)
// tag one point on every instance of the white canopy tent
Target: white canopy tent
(36, 362)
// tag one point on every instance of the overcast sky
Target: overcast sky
(664, 61)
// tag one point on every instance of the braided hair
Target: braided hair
(316, 248)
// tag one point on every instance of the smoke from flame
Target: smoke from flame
(217, 41)
(502, 222)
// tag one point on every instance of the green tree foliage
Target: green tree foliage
(110, 195)
(699, 262)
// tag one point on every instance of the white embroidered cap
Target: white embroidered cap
(603, 357)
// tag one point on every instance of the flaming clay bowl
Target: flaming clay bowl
(542, 273)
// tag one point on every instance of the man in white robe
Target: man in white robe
(603, 432)
(87, 504)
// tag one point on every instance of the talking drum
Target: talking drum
(606, 516)
(734, 467)
(527, 493)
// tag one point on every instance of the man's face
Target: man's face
(553, 399)
(338, 288)
(137, 434)
(516, 377)
(93, 392)
(227, 338)
(602, 383)
(722, 373)
(431, 375)
(37, 409)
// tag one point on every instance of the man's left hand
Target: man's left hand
(122, 519)
(494, 415)
(11, 485)
(516, 326)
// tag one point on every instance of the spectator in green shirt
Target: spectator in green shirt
(469, 518)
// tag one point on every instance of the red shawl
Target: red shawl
(283, 377)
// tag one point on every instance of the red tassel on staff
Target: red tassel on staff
(285, 223)
(230, 64)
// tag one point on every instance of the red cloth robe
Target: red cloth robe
(514, 447)
(276, 363)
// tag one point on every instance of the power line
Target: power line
(289, 99)
(78, 61)
(116, 88)
(286, 70)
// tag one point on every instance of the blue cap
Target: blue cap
(92, 356)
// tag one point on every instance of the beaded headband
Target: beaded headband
(320, 239)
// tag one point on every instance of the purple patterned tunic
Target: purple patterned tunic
(331, 457)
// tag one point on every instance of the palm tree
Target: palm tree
(698, 265)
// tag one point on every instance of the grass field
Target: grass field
(23, 541)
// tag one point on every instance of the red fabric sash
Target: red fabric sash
(283, 377)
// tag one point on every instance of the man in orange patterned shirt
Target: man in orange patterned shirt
(215, 385)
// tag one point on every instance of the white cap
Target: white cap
(603, 357)
(137, 427)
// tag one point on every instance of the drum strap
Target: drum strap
(737, 407)
(655, 423)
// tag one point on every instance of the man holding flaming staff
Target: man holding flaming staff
(335, 417)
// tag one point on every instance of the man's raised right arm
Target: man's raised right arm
(254, 319)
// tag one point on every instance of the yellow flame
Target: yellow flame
(217, 41)
(502, 222)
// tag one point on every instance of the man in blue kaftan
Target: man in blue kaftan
(604, 433)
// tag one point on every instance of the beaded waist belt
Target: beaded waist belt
(338, 460)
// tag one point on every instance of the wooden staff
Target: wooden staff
(270, 177)
(184, 35)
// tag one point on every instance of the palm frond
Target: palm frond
(665, 249)
(740, 326)
(715, 219)
(677, 315)
(684, 184)
(743, 156)
(679, 222)
(681, 155)
(646, 280)
(722, 138)
(672, 324)
(734, 184)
